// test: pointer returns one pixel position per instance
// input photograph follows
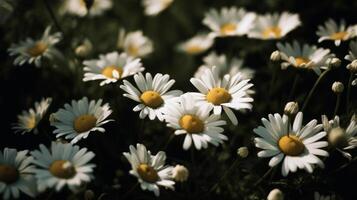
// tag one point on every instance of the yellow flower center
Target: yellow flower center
(151, 99)
(194, 49)
(274, 31)
(31, 122)
(8, 174)
(228, 28)
(147, 173)
(133, 50)
(301, 61)
(218, 96)
(191, 123)
(84, 123)
(37, 49)
(109, 70)
(339, 35)
(291, 145)
(62, 169)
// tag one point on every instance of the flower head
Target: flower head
(135, 44)
(335, 32)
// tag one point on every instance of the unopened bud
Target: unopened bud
(180, 173)
(336, 137)
(334, 62)
(291, 108)
(275, 56)
(243, 152)
(275, 194)
(84, 49)
(353, 66)
(337, 87)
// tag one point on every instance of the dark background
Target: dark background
(21, 86)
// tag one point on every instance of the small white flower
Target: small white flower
(274, 26)
(135, 44)
(77, 120)
(304, 56)
(111, 67)
(180, 173)
(33, 51)
(62, 165)
(80, 7)
(336, 32)
(297, 146)
(229, 92)
(29, 120)
(229, 21)
(154, 7)
(224, 66)
(150, 170)
(186, 117)
(16, 174)
(197, 44)
(152, 95)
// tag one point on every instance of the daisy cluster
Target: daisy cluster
(221, 96)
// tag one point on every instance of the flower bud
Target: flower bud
(336, 137)
(291, 108)
(243, 152)
(84, 49)
(275, 194)
(275, 56)
(180, 173)
(337, 87)
(333, 62)
(352, 66)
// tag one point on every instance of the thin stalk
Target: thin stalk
(313, 89)
(293, 88)
(263, 177)
(337, 104)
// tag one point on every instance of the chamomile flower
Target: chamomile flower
(186, 117)
(111, 67)
(224, 66)
(335, 32)
(154, 7)
(135, 44)
(296, 146)
(82, 8)
(340, 138)
(77, 120)
(29, 120)
(150, 170)
(229, 92)
(274, 26)
(196, 45)
(152, 94)
(229, 21)
(304, 56)
(62, 165)
(16, 174)
(33, 51)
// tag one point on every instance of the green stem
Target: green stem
(349, 92)
(313, 89)
(263, 177)
(293, 88)
(337, 104)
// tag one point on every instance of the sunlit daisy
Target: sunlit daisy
(62, 165)
(154, 7)
(340, 138)
(33, 51)
(77, 120)
(274, 26)
(111, 67)
(150, 170)
(224, 66)
(297, 146)
(84, 7)
(197, 44)
(304, 56)
(229, 92)
(335, 32)
(186, 117)
(28, 120)
(152, 94)
(229, 21)
(135, 44)
(16, 174)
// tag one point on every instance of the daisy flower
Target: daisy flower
(195, 121)
(229, 92)
(335, 32)
(77, 120)
(229, 21)
(135, 44)
(82, 8)
(196, 45)
(111, 67)
(150, 170)
(16, 174)
(152, 94)
(274, 26)
(340, 138)
(304, 56)
(297, 146)
(224, 66)
(154, 7)
(33, 51)
(29, 120)
(62, 165)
